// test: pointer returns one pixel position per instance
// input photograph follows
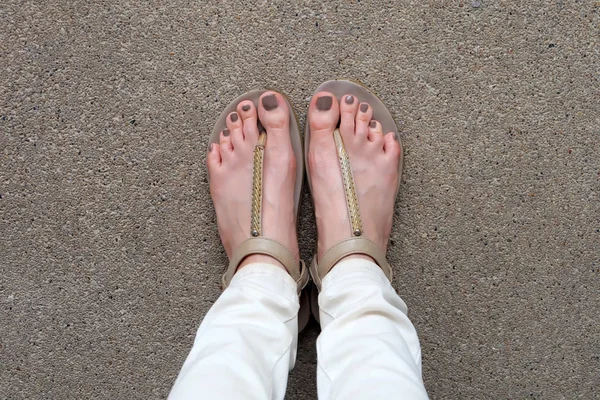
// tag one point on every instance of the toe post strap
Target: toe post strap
(272, 248)
(348, 247)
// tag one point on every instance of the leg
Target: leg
(368, 348)
(246, 344)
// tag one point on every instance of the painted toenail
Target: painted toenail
(234, 117)
(396, 136)
(373, 124)
(349, 99)
(270, 102)
(210, 147)
(324, 103)
(226, 131)
(245, 107)
(364, 107)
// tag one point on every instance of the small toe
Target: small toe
(363, 117)
(247, 111)
(348, 109)
(225, 144)
(234, 124)
(375, 131)
(391, 145)
(213, 158)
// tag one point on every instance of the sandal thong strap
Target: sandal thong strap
(349, 186)
(320, 268)
(258, 244)
(257, 185)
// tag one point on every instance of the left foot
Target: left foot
(230, 166)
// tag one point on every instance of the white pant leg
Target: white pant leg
(368, 348)
(246, 344)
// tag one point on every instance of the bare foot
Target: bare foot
(230, 169)
(374, 158)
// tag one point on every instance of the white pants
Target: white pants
(246, 345)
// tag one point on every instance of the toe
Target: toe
(391, 145)
(273, 111)
(274, 115)
(348, 109)
(234, 124)
(213, 159)
(323, 115)
(375, 132)
(363, 117)
(225, 144)
(247, 111)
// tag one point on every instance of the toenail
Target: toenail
(245, 107)
(210, 147)
(349, 99)
(234, 117)
(270, 102)
(396, 136)
(324, 103)
(373, 124)
(226, 131)
(364, 107)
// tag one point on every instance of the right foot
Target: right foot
(374, 158)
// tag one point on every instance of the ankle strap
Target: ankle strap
(272, 248)
(346, 248)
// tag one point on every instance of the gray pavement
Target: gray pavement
(109, 254)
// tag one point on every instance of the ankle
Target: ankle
(356, 257)
(262, 259)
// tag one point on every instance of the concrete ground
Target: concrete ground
(109, 252)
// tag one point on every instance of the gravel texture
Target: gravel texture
(109, 253)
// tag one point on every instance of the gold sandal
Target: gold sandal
(257, 244)
(355, 244)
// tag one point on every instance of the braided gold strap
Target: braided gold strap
(349, 187)
(257, 186)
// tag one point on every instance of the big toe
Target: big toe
(323, 115)
(273, 111)
(274, 115)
